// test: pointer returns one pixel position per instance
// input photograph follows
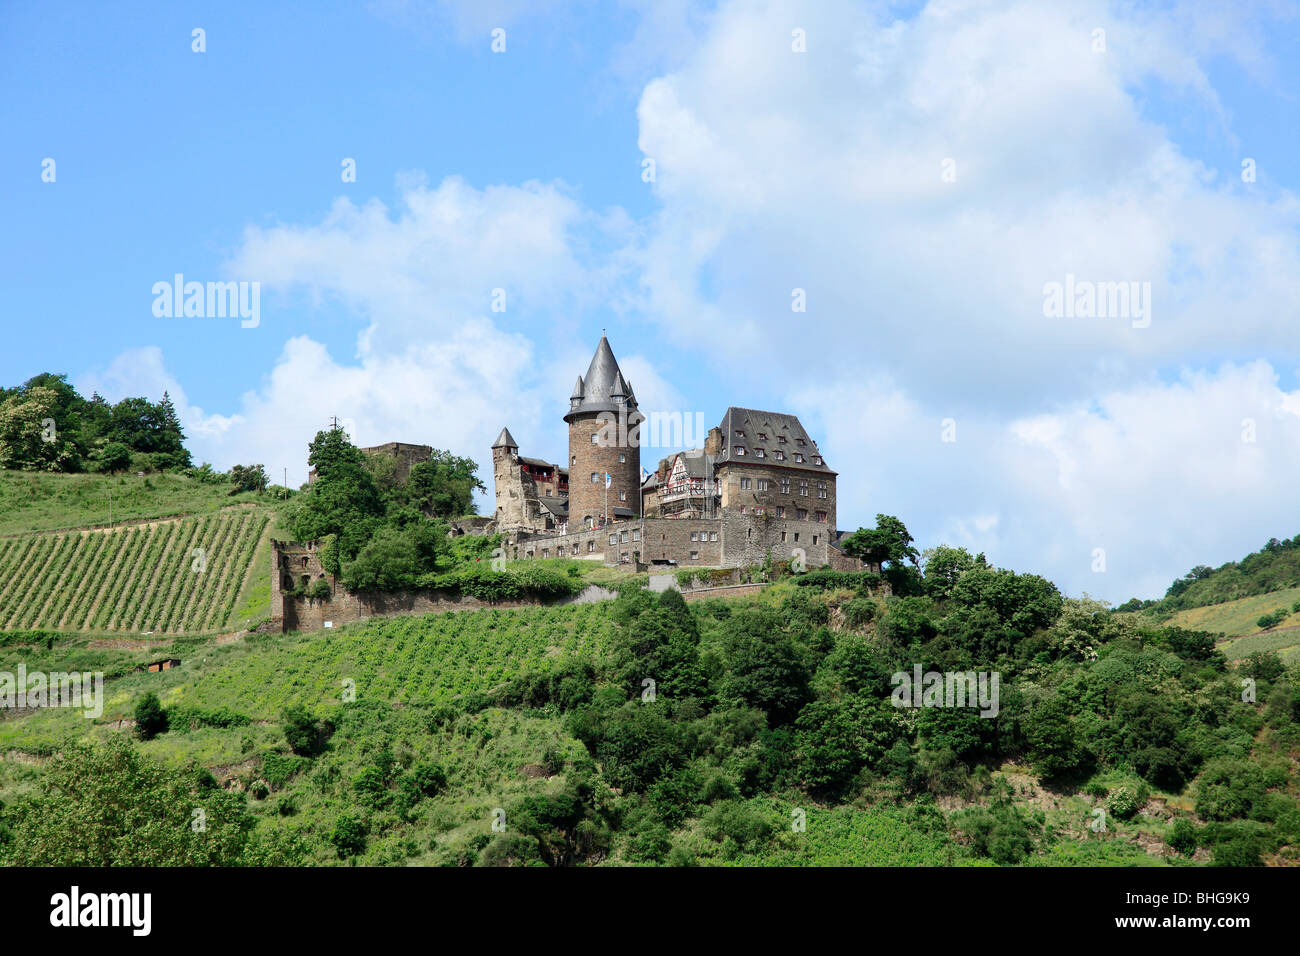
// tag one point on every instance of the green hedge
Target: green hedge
(485, 584)
(825, 579)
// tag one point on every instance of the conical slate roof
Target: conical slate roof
(505, 440)
(603, 388)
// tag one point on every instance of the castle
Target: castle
(758, 489)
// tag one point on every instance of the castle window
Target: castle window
(798, 457)
(622, 496)
(623, 537)
(762, 484)
(622, 458)
(821, 489)
(821, 516)
(759, 453)
(762, 437)
(548, 492)
(713, 536)
(595, 439)
(573, 460)
(740, 450)
(803, 487)
(739, 433)
(744, 484)
(780, 456)
(622, 558)
(575, 547)
(780, 511)
(802, 515)
(785, 486)
(783, 537)
(591, 545)
(796, 537)
(304, 562)
(780, 439)
(695, 555)
(636, 535)
(594, 477)
(817, 459)
(695, 536)
(613, 539)
(760, 511)
(742, 509)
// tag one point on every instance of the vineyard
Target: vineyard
(164, 577)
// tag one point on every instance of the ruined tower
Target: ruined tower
(511, 507)
(603, 420)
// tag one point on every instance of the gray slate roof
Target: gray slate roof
(603, 388)
(773, 425)
(505, 440)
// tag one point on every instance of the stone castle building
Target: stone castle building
(758, 489)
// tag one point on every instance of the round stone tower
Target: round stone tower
(603, 421)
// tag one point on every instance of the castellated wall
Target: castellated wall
(587, 497)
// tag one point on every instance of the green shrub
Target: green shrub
(859, 612)
(150, 718)
(1181, 836)
(349, 836)
(1123, 803)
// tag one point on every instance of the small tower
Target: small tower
(602, 414)
(505, 479)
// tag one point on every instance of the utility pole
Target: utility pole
(334, 423)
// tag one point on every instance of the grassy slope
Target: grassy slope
(1236, 619)
(34, 501)
(400, 667)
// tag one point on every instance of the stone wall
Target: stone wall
(731, 477)
(587, 497)
(306, 614)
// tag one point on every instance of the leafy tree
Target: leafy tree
(444, 486)
(150, 718)
(305, 734)
(765, 669)
(341, 501)
(111, 805)
(247, 478)
(114, 457)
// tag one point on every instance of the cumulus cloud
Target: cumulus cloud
(1158, 476)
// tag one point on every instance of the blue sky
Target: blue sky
(775, 170)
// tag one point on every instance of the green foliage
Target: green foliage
(1181, 836)
(150, 718)
(305, 734)
(348, 836)
(110, 805)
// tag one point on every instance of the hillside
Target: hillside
(1275, 567)
(767, 739)
(160, 576)
(40, 501)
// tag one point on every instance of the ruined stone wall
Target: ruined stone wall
(749, 539)
(344, 607)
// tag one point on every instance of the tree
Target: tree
(342, 500)
(888, 542)
(247, 478)
(444, 486)
(111, 805)
(304, 733)
(150, 718)
(115, 457)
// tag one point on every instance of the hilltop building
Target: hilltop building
(758, 488)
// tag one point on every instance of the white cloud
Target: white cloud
(1161, 476)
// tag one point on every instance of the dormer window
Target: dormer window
(801, 442)
(759, 453)
(762, 437)
(739, 433)
(798, 457)
(780, 456)
(781, 439)
(817, 459)
(740, 450)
